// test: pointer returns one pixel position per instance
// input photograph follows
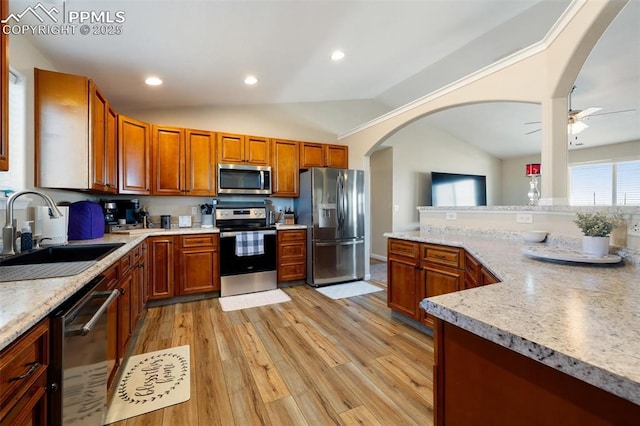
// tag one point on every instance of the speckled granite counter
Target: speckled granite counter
(283, 227)
(580, 319)
(24, 303)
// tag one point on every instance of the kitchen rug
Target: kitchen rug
(150, 382)
(252, 300)
(342, 291)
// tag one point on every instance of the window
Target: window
(605, 184)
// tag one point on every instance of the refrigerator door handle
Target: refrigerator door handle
(340, 201)
(339, 243)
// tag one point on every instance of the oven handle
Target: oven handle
(83, 330)
(233, 234)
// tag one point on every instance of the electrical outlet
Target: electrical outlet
(194, 210)
(524, 218)
(634, 228)
(452, 216)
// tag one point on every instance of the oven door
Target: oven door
(247, 274)
(232, 264)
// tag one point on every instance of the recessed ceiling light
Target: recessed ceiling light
(153, 81)
(250, 80)
(337, 55)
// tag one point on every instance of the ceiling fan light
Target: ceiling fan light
(576, 127)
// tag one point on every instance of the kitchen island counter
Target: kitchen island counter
(24, 303)
(583, 320)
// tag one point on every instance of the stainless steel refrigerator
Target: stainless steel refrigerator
(331, 204)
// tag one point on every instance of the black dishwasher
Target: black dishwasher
(78, 369)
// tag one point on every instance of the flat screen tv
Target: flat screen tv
(458, 190)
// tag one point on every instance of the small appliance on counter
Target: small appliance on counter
(86, 220)
(120, 215)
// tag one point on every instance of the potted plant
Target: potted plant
(596, 228)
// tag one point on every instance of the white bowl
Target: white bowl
(534, 236)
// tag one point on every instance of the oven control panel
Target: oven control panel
(240, 213)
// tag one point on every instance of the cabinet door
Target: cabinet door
(98, 113)
(402, 287)
(111, 154)
(257, 151)
(197, 270)
(168, 153)
(230, 148)
(124, 314)
(311, 155)
(61, 130)
(487, 277)
(439, 280)
(161, 269)
(200, 163)
(4, 93)
(111, 275)
(337, 156)
(133, 156)
(285, 170)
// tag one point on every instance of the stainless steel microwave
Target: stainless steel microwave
(242, 179)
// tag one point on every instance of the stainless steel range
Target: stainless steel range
(247, 248)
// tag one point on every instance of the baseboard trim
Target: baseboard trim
(378, 257)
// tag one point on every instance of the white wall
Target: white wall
(419, 150)
(381, 206)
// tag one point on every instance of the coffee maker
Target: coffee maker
(121, 214)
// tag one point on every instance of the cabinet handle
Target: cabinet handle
(123, 291)
(141, 265)
(32, 369)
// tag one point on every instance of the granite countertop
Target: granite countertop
(25, 303)
(581, 319)
(283, 227)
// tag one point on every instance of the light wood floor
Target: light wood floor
(311, 361)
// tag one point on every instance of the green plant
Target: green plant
(598, 224)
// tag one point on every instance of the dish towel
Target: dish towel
(249, 243)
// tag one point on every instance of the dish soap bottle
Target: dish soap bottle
(26, 237)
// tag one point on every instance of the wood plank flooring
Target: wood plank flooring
(311, 361)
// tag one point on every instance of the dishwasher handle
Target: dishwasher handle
(83, 330)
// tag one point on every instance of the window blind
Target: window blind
(591, 184)
(628, 183)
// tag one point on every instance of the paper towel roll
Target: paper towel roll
(55, 228)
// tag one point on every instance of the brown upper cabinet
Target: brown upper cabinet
(4, 93)
(183, 162)
(133, 156)
(242, 149)
(314, 154)
(75, 134)
(286, 179)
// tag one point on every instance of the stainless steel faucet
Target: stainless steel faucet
(9, 230)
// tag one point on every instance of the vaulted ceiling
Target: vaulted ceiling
(396, 51)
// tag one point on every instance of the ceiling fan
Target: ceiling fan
(575, 117)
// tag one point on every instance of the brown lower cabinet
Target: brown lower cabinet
(181, 265)
(292, 255)
(480, 382)
(23, 378)
(418, 270)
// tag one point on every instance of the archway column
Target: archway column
(554, 152)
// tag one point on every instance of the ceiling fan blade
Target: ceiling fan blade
(614, 112)
(586, 112)
(533, 131)
(533, 122)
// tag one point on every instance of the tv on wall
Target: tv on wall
(458, 190)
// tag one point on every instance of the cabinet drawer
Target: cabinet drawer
(471, 271)
(111, 276)
(22, 363)
(403, 248)
(289, 252)
(126, 262)
(202, 240)
(442, 255)
(292, 272)
(293, 235)
(137, 252)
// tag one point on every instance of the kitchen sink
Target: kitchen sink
(59, 254)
